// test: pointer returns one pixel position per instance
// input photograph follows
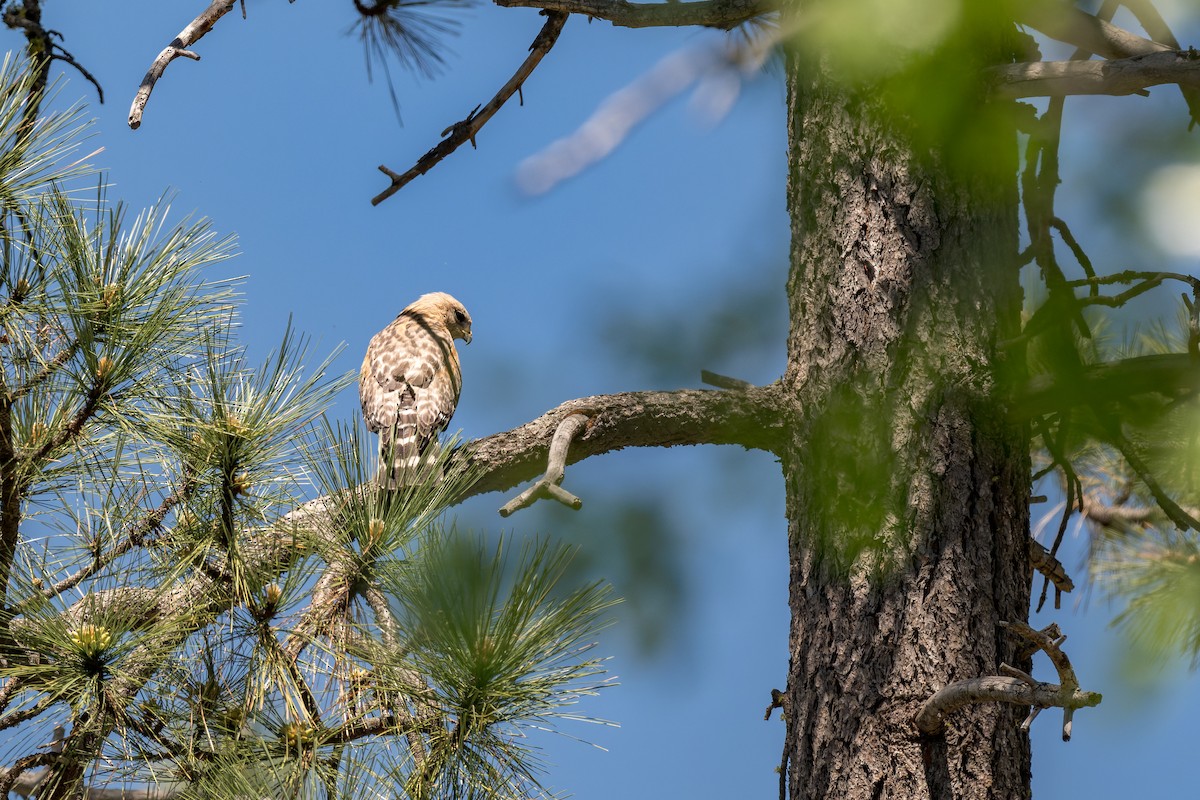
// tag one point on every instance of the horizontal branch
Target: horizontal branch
(1117, 77)
(723, 14)
(753, 419)
(1015, 686)
(931, 721)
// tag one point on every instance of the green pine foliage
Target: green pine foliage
(177, 608)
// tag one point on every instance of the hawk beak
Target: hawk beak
(466, 337)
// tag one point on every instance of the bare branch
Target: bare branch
(466, 129)
(1041, 560)
(549, 485)
(752, 418)
(1117, 77)
(723, 381)
(723, 14)
(195, 30)
(1072, 25)
(1016, 687)
(931, 721)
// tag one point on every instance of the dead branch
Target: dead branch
(778, 700)
(1045, 563)
(549, 485)
(1117, 77)
(1154, 24)
(465, 130)
(194, 31)
(1015, 686)
(723, 14)
(723, 381)
(1072, 25)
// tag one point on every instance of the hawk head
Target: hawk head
(440, 309)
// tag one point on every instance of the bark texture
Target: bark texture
(907, 479)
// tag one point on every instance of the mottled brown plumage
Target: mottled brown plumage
(410, 380)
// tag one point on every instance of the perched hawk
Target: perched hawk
(410, 380)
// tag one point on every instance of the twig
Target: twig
(548, 484)
(195, 30)
(723, 381)
(466, 129)
(1015, 686)
(723, 14)
(1135, 275)
(778, 700)
(1182, 519)
(60, 53)
(1041, 560)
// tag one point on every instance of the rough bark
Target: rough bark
(907, 480)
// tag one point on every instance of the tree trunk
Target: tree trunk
(907, 485)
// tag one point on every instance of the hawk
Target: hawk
(410, 380)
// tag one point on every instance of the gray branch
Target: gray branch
(549, 485)
(1072, 25)
(723, 14)
(195, 30)
(1117, 77)
(1015, 687)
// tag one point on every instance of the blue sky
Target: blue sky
(275, 135)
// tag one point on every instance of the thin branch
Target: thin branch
(1116, 77)
(12, 778)
(1071, 242)
(548, 486)
(723, 381)
(1041, 560)
(1182, 519)
(74, 426)
(11, 686)
(60, 53)
(467, 129)
(931, 720)
(723, 14)
(49, 368)
(194, 31)
(1072, 25)
(1016, 687)
(1134, 275)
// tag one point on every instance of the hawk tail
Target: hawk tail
(400, 447)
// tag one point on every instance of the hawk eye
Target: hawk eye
(459, 317)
